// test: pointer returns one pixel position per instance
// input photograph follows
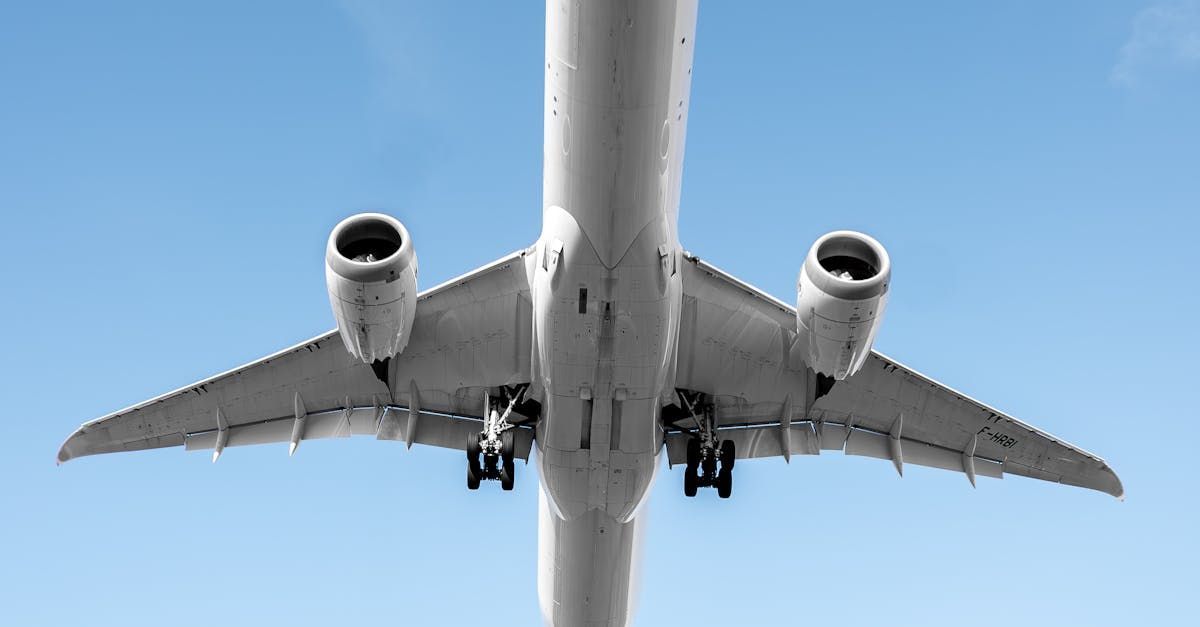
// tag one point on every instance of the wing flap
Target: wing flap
(752, 442)
(431, 429)
(802, 439)
(335, 424)
(867, 444)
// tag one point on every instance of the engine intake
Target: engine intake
(840, 297)
(371, 273)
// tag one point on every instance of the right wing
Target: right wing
(737, 345)
(469, 334)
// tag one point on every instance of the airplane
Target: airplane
(604, 345)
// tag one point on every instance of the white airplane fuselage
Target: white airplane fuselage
(607, 289)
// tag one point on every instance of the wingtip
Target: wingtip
(1116, 488)
(64, 452)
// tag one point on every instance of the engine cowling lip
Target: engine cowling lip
(849, 289)
(369, 271)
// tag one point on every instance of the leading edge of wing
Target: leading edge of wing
(1111, 486)
(76, 444)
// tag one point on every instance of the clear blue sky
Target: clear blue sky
(169, 173)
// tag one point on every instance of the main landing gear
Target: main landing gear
(491, 452)
(709, 460)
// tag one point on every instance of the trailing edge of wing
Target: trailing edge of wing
(806, 438)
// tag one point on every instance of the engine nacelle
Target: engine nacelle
(840, 298)
(371, 272)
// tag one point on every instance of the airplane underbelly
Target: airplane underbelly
(607, 292)
(605, 342)
(587, 568)
(606, 288)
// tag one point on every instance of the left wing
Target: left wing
(737, 345)
(470, 334)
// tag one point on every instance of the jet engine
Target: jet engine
(840, 297)
(371, 272)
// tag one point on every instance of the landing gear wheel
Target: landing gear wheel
(725, 483)
(473, 448)
(507, 474)
(507, 445)
(508, 470)
(690, 482)
(474, 470)
(728, 454)
(693, 453)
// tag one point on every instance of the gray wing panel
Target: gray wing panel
(469, 333)
(737, 344)
(934, 414)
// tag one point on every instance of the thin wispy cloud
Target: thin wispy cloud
(1166, 36)
(395, 39)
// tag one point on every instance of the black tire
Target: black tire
(693, 454)
(690, 481)
(474, 470)
(725, 483)
(728, 454)
(508, 475)
(507, 445)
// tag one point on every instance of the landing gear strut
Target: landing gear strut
(491, 452)
(705, 452)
